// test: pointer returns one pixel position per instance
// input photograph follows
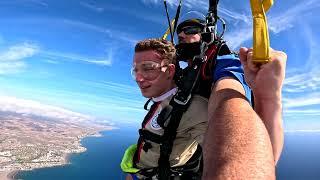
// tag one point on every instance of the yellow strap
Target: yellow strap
(168, 30)
(261, 41)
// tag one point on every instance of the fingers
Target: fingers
(278, 60)
(243, 55)
(278, 55)
(251, 65)
(246, 56)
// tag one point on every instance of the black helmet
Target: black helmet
(192, 18)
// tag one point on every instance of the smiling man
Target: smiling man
(154, 70)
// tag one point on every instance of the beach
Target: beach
(7, 175)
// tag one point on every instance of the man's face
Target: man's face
(189, 34)
(188, 38)
(152, 74)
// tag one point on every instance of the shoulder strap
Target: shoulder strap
(153, 107)
(169, 136)
(180, 103)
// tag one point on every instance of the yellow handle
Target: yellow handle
(168, 30)
(261, 41)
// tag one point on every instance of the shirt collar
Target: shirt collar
(165, 95)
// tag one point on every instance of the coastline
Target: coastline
(10, 175)
(7, 175)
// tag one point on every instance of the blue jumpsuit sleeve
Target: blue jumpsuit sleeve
(230, 66)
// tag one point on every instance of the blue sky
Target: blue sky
(73, 57)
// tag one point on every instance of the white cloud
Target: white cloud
(188, 3)
(226, 13)
(302, 131)
(277, 23)
(75, 57)
(29, 107)
(121, 87)
(242, 21)
(92, 7)
(112, 33)
(302, 85)
(84, 25)
(37, 2)
(236, 38)
(307, 77)
(306, 112)
(294, 105)
(12, 59)
(286, 19)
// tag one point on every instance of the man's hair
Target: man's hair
(165, 48)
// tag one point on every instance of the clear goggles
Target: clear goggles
(149, 70)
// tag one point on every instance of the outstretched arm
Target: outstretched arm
(266, 83)
(237, 145)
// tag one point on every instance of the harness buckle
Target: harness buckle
(182, 101)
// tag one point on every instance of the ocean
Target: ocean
(300, 158)
(101, 161)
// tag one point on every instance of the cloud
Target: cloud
(302, 131)
(51, 61)
(285, 20)
(29, 107)
(121, 88)
(307, 112)
(92, 7)
(12, 59)
(236, 38)
(75, 57)
(112, 33)
(234, 15)
(302, 86)
(39, 2)
(187, 3)
(84, 25)
(307, 77)
(305, 99)
(124, 99)
(243, 21)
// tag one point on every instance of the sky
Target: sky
(72, 58)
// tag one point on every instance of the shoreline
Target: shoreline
(10, 175)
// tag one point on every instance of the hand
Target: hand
(266, 80)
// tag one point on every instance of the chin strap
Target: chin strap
(261, 41)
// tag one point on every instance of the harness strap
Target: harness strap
(140, 143)
(193, 167)
(147, 135)
(169, 135)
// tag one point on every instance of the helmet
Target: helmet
(192, 18)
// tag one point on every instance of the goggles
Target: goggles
(189, 30)
(149, 70)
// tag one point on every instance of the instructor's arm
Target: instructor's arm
(237, 144)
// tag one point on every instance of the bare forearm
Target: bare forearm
(237, 145)
(270, 111)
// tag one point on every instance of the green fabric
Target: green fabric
(127, 160)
